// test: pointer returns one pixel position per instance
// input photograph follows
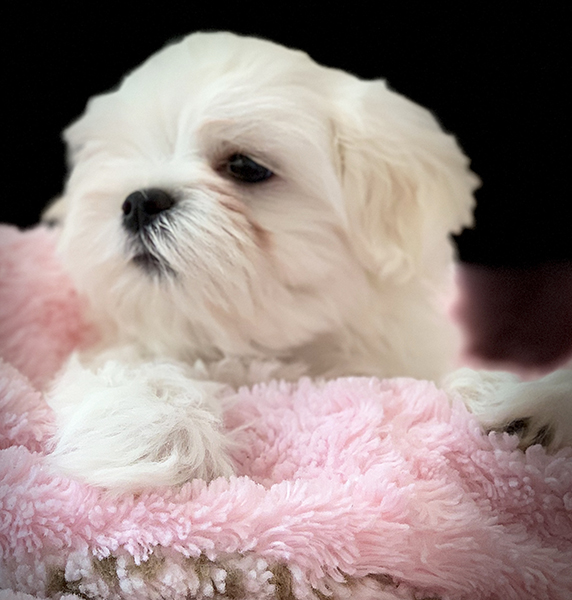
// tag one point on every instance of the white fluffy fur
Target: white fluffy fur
(337, 265)
(152, 419)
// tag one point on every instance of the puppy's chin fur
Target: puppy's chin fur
(338, 264)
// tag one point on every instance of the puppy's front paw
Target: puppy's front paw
(543, 411)
(131, 427)
(539, 412)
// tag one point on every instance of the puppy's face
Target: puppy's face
(234, 197)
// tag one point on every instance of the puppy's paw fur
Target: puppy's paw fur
(127, 427)
(539, 412)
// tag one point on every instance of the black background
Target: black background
(496, 77)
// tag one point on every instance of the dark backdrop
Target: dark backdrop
(495, 78)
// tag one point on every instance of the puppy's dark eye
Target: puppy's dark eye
(244, 168)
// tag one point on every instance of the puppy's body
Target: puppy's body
(236, 212)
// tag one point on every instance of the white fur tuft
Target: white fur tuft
(121, 425)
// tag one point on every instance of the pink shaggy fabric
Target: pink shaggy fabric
(355, 488)
(40, 321)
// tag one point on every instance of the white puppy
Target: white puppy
(236, 212)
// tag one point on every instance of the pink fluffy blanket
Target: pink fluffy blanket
(355, 488)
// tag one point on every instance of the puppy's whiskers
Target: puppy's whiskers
(145, 253)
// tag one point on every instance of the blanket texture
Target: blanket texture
(355, 488)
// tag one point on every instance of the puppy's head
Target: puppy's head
(234, 197)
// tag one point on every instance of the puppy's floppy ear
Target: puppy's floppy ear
(55, 212)
(406, 183)
(76, 138)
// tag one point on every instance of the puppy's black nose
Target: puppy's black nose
(142, 207)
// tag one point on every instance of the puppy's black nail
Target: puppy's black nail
(518, 426)
(544, 437)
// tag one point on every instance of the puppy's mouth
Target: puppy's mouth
(149, 261)
(144, 257)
